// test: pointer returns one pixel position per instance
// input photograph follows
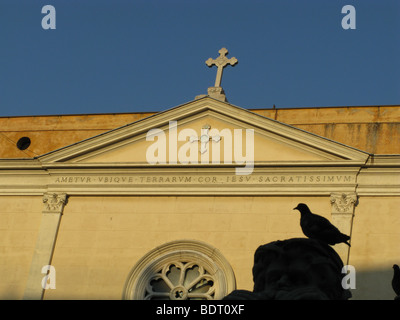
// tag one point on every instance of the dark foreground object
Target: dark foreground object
(396, 281)
(295, 269)
(318, 227)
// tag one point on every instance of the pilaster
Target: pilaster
(53, 206)
(343, 205)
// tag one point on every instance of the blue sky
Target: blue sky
(149, 55)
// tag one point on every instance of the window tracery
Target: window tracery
(181, 270)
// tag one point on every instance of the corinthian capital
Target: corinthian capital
(343, 202)
(54, 202)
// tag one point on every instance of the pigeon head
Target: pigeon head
(396, 267)
(303, 208)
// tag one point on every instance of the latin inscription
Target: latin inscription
(207, 179)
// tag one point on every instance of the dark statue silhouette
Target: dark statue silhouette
(302, 268)
(396, 281)
(295, 269)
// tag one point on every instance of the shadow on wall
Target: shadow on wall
(374, 285)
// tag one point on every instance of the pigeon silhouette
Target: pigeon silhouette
(396, 281)
(319, 228)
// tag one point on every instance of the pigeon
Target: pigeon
(396, 280)
(319, 228)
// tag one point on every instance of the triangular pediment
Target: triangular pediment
(230, 135)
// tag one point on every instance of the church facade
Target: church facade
(172, 205)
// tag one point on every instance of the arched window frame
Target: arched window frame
(212, 267)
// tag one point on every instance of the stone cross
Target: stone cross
(204, 138)
(221, 62)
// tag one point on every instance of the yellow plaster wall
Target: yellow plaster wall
(101, 238)
(20, 218)
(374, 137)
(375, 246)
(48, 133)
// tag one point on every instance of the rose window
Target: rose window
(181, 270)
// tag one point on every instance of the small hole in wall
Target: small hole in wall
(23, 143)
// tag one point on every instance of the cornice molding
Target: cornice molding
(266, 179)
